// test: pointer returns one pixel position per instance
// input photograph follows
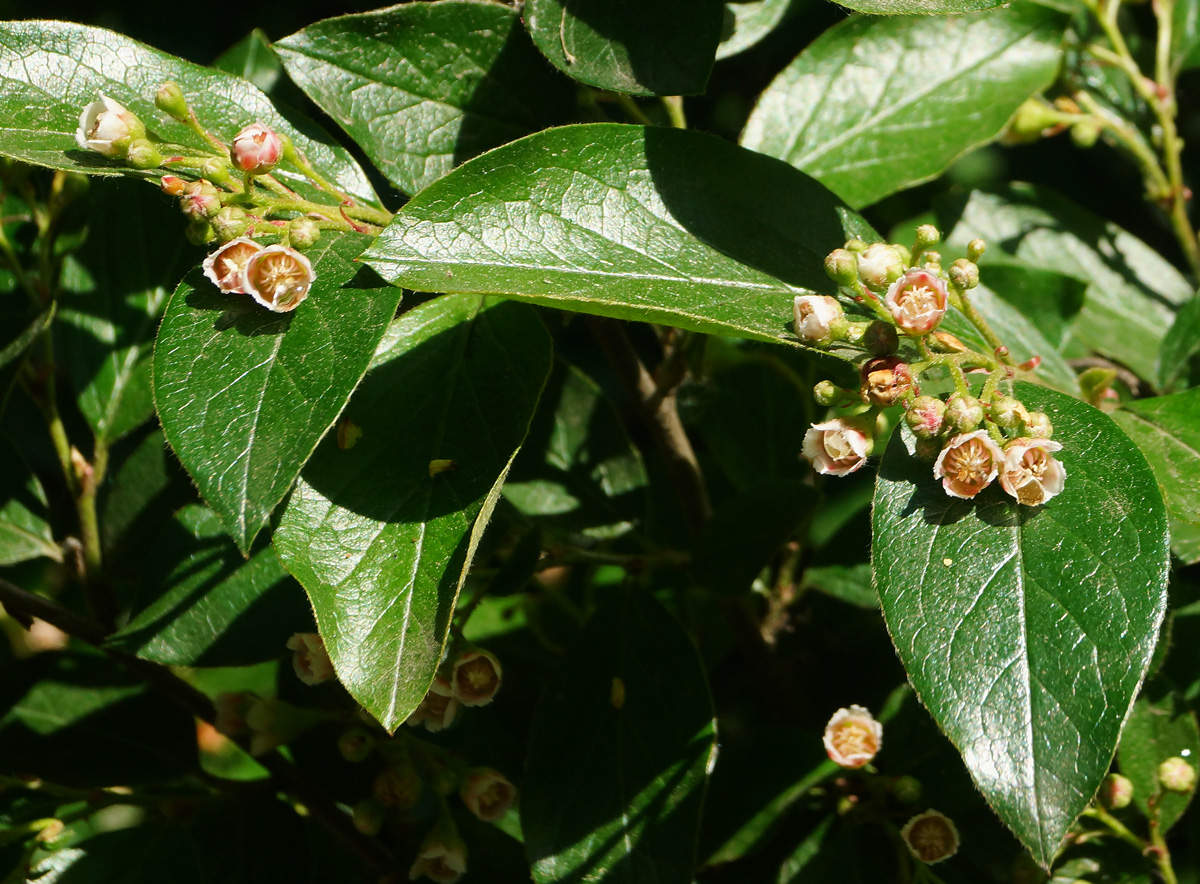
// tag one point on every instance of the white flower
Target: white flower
(224, 266)
(853, 737)
(917, 301)
(968, 464)
(836, 447)
(278, 277)
(108, 127)
(437, 709)
(486, 793)
(878, 263)
(1030, 472)
(814, 313)
(310, 660)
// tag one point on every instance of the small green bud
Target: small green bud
(1177, 775)
(975, 250)
(1038, 425)
(169, 99)
(143, 155)
(907, 789)
(926, 417)
(1008, 413)
(1031, 121)
(355, 745)
(932, 261)
(880, 338)
(842, 267)
(1086, 132)
(1115, 792)
(230, 223)
(200, 233)
(963, 413)
(855, 245)
(303, 232)
(289, 150)
(825, 393)
(216, 170)
(964, 274)
(927, 235)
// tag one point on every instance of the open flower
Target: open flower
(853, 737)
(256, 149)
(837, 447)
(931, 837)
(438, 708)
(278, 277)
(224, 266)
(310, 660)
(1030, 472)
(968, 464)
(476, 677)
(917, 301)
(108, 127)
(486, 793)
(442, 858)
(814, 314)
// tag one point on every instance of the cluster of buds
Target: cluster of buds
(972, 441)
(469, 678)
(229, 196)
(262, 722)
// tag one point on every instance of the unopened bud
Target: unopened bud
(368, 817)
(200, 200)
(355, 745)
(1177, 775)
(926, 236)
(842, 267)
(907, 789)
(931, 837)
(880, 264)
(925, 417)
(963, 413)
(230, 223)
(169, 99)
(200, 233)
(397, 787)
(880, 338)
(975, 250)
(1031, 120)
(50, 831)
(171, 185)
(885, 380)
(855, 245)
(825, 393)
(1115, 792)
(932, 261)
(216, 169)
(944, 342)
(964, 273)
(853, 737)
(303, 232)
(256, 150)
(928, 449)
(1086, 132)
(143, 154)
(1038, 425)
(1008, 413)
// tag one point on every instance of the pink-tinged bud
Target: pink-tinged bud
(398, 787)
(1177, 775)
(278, 277)
(310, 660)
(231, 712)
(200, 200)
(880, 264)
(853, 737)
(438, 709)
(355, 745)
(963, 413)
(442, 857)
(836, 447)
(814, 315)
(476, 678)
(1030, 472)
(303, 232)
(944, 342)
(885, 380)
(931, 837)
(1007, 412)
(224, 266)
(231, 223)
(256, 150)
(108, 128)
(925, 417)
(487, 794)
(917, 301)
(171, 185)
(1038, 425)
(968, 464)
(1115, 792)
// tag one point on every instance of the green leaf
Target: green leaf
(58, 703)
(24, 518)
(244, 395)
(1027, 631)
(919, 7)
(578, 469)
(143, 854)
(110, 312)
(608, 220)
(865, 112)
(141, 493)
(380, 544)
(642, 47)
(746, 532)
(1132, 291)
(252, 58)
(852, 584)
(619, 752)
(203, 604)
(748, 22)
(50, 71)
(1161, 727)
(1047, 298)
(1185, 35)
(1167, 429)
(424, 86)
(1179, 346)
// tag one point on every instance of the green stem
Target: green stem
(1115, 826)
(630, 106)
(985, 329)
(674, 107)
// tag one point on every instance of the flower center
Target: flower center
(837, 446)
(915, 300)
(279, 277)
(970, 463)
(851, 738)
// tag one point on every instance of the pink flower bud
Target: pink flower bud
(310, 660)
(837, 447)
(476, 678)
(931, 837)
(853, 737)
(438, 708)
(171, 185)
(886, 380)
(256, 150)
(1030, 473)
(224, 266)
(917, 301)
(1177, 775)
(487, 794)
(968, 464)
(278, 277)
(1115, 792)
(108, 128)
(880, 264)
(925, 416)
(200, 200)
(814, 314)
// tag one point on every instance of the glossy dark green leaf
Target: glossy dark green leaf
(852, 584)
(1167, 429)
(748, 22)
(864, 112)
(1132, 290)
(643, 47)
(380, 538)
(424, 86)
(1185, 35)
(203, 604)
(50, 71)
(609, 220)
(252, 58)
(1027, 631)
(143, 490)
(620, 750)
(21, 329)
(109, 316)
(1180, 345)
(81, 720)
(578, 470)
(1044, 296)
(143, 854)
(919, 7)
(1161, 727)
(24, 517)
(244, 395)
(747, 531)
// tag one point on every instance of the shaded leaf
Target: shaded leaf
(244, 395)
(852, 584)
(136, 855)
(1179, 348)
(382, 542)
(1047, 298)
(1167, 429)
(748, 22)
(1027, 631)
(610, 220)
(919, 7)
(643, 47)
(619, 752)
(25, 531)
(142, 492)
(1185, 35)
(1160, 727)
(864, 112)
(424, 86)
(252, 58)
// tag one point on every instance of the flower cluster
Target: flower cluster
(471, 678)
(972, 441)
